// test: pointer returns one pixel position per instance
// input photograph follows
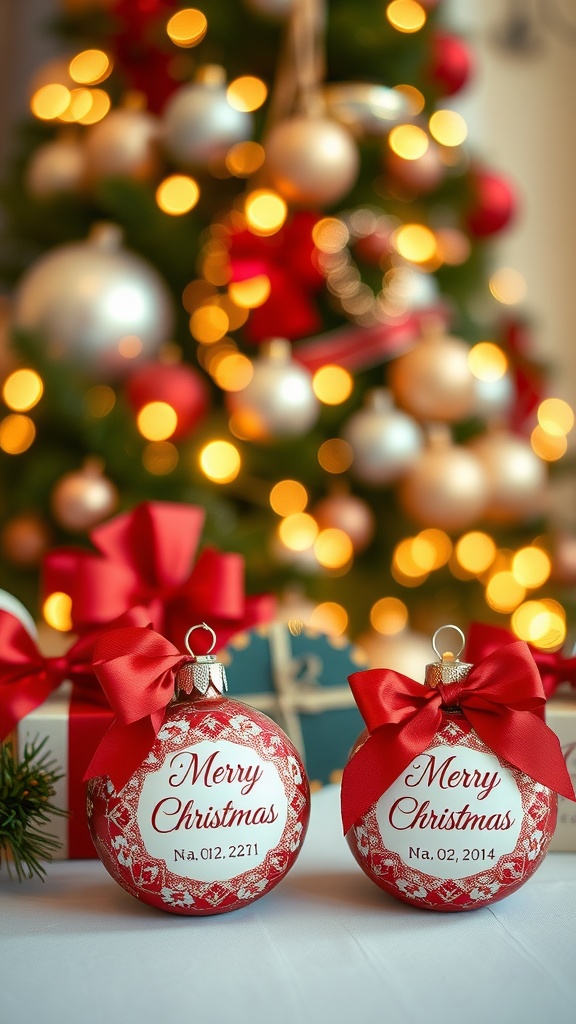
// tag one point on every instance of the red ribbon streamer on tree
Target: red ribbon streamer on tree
(553, 667)
(500, 699)
(145, 558)
(136, 668)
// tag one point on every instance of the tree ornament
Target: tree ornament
(449, 798)
(564, 559)
(349, 513)
(178, 385)
(447, 487)
(451, 64)
(493, 399)
(95, 304)
(419, 176)
(406, 651)
(516, 476)
(83, 498)
(279, 401)
(197, 804)
(57, 167)
(366, 109)
(492, 206)
(199, 125)
(311, 160)
(385, 440)
(433, 380)
(25, 538)
(125, 143)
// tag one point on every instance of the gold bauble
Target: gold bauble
(24, 540)
(58, 167)
(433, 381)
(446, 488)
(124, 144)
(83, 498)
(311, 161)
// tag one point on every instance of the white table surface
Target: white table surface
(326, 945)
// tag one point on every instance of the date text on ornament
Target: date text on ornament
(456, 790)
(217, 852)
(216, 789)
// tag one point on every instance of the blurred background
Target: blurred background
(308, 267)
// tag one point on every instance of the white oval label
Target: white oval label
(213, 810)
(452, 812)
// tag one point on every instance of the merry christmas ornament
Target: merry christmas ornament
(449, 798)
(197, 804)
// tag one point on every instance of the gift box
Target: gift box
(73, 724)
(300, 680)
(561, 717)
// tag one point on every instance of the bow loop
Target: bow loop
(136, 667)
(501, 699)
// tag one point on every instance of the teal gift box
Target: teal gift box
(300, 679)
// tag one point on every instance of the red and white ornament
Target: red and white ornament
(449, 823)
(215, 812)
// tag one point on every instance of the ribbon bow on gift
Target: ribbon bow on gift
(27, 677)
(500, 698)
(145, 558)
(136, 668)
(553, 667)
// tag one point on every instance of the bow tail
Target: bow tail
(380, 760)
(120, 742)
(529, 745)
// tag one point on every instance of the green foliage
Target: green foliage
(26, 792)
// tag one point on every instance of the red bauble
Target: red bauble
(451, 63)
(404, 844)
(493, 204)
(178, 385)
(215, 814)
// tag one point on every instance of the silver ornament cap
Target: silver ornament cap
(449, 668)
(204, 676)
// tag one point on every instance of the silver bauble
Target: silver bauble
(311, 161)
(385, 440)
(279, 401)
(125, 143)
(83, 498)
(56, 167)
(95, 304)
(447, 488)
(517, 477)
(200, 126)
(433, 381)
(348, 513)
(493, 398)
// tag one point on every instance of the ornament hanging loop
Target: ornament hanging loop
(448, 655)
(200, 625)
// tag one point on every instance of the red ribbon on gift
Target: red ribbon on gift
(27, 677)
(500, 699)
(145, 558)
(553, 667)
(136, 668)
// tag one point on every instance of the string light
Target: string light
(187, 27)
(252, 292)
(177, 194)
(22, 390)
(220, 461)
(209, 324)
(57, 611)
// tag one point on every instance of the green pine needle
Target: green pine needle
(26, 791)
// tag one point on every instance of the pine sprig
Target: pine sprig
(27, 787)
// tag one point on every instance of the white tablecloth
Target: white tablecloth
(326, 947)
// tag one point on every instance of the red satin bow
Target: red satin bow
(136, 668)
(500, 699)
(286, 258)
(146, 558)
(27, 677)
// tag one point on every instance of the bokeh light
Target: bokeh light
(549, 447)
(288, 497)
(388, 615)
(540, 623)
(335, 456)
(90, 67)
(252, 292)
(220, 461)
(531, 566)
(555, 416)
(245, 158)
(209, 324)
(332, 385)
(475, 552)
(406, 15)
(329, 617)
(333, 548)
(232, 371)
(448, 128)
(298, 532)
(157, 421)
(408, 141)
(187, 27)
(415, 242)
(22, 390)
(265, 211)
(17, 433)
(160, 458)
(508, 286)
(487, 361)
(503, 592)
(177, 194)
(57, 611)
(246, 93)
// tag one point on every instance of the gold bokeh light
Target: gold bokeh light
(406, 15)
(448, 128)
(335, 455)
(329, 617)
(487, 361)
(187, 27)
(415, 242)
(245, 158)
(157, 421)
(555, 417)
(220, 461)
(531, 566)
(246, 93)
(17, 433)
(90, 67)
(22, 390)
(298, 531)
(389, 615)
(232, 371)
(50, 101)
(408, 141)
(540, 623)
(265, 211)
(57, 611)
(332, 385)
(251, 293)
(549, 447)
(333, 548)
(475, 552)
(508, 286)
(503, 592)
(160, 458)
(288, 497)
(177, 194)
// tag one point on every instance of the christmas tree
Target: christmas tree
(249, 257)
